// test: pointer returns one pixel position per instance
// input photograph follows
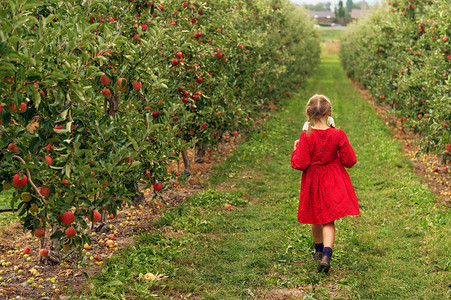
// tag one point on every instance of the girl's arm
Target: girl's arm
(345, 151)
(300, 158)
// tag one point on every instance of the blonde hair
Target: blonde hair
(317, 108)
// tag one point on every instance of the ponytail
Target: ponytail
(309, 128)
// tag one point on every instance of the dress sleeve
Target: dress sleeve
(300, 158)
(345, 151)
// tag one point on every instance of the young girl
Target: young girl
(327, 194)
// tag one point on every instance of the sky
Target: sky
(334, 2)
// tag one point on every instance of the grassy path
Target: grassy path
(398, 248)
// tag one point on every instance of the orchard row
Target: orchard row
(401, 52)
(98, 97)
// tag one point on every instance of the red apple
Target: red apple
(445, 38)
(26, 250)
(122, 84)
(23, 107)
(179, 54)
(185, 100)
(45, 191)
(144, 26)
(12, 147)
(44, 252)
(70, 231)
(240, 46)
(435, 170)
(136, 85)
(228, 207)
(111, 236)
(106, 93)
(448, 147)
(19, 182)
(175, 62)
(49, 160)
(12, 107)
(204, 125)
(235, 133)
(158, 186)
(105, 80)
(67, 218)
(137, 37)
(154, 114)
(49, 148)
(97, 216)
(199, 80)
(39, 232)
(66, 182)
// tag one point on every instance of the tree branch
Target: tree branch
(31, 181)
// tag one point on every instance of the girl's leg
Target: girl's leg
(317, 232)
(329, 238)
(329, 234)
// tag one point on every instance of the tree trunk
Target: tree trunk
(186, 162)
(200, 152)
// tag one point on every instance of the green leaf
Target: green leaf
(67, 170)
(57, 234)
(34, 144)
(67, 129)
(63, 115)
(77, 92)
(31, 5)
(69, 198)
(85, 274)
(134, 143)
(136, 163)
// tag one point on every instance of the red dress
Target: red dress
(326, 189)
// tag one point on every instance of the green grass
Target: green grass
(331, 34)
(397, 248)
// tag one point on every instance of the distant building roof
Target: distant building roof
(357, 13)
(323, 14)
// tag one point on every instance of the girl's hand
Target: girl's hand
(296, 142)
